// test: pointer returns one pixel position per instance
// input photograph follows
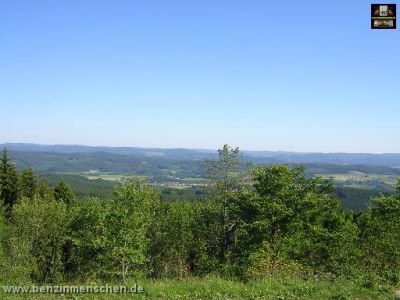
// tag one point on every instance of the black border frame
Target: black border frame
(394, 20)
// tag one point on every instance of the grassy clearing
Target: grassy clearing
(114, 177)
(215, 288)
(361, 177)
(105, 177)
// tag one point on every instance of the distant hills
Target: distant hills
(388, 159)
(167, 164)
(129, 151)
(360, 176)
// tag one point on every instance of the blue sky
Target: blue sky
(301, 76)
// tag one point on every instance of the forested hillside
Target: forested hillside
(268, 222)
(180, 173)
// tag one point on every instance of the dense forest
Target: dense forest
(261, 222)
(353, 198)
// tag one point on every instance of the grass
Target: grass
(361, 177)
(216, 288)
(105, 177)
(114, 177)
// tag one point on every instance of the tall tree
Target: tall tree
(3, 230)
(27, 183)
(225, 180)
(88, 245)
(43, 190)
(224, 174)
(129, 223)
(8, 181)
(171, 248)
(63, 192)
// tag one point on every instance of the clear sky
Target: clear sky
(298, 76)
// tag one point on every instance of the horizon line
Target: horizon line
(195, 149)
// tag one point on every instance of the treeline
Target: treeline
(358, 199)
(353, 198)
(82, 186)
(281, 223)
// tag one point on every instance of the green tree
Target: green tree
(3, 238)
(301, 219)
(130, 220)
(89, 233)
(63, 192)
(172, 251)
(39, 232)
(380, 237)
(27, 183)
(8, 181)
(224, 174)
(225, 179)
(43, 190)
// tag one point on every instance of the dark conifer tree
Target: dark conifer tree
(43, 190)
(27, 183)
(8, 181)
(63, 192)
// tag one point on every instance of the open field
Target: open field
(360, 177)
(106, 177)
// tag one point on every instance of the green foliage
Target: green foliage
(131, 217)
(36, 240)
(224, 234)
(381, 237)
(27, 183)
(241, 236)
(8, 181)
(3, 238)
(82, 187)
(357, 199)
(44, 191)
(63, 192)
(224, 173)
(89, 234)
(110, 239)
(226, 180)
(172, 248)
(193, 193)
(301, 219)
